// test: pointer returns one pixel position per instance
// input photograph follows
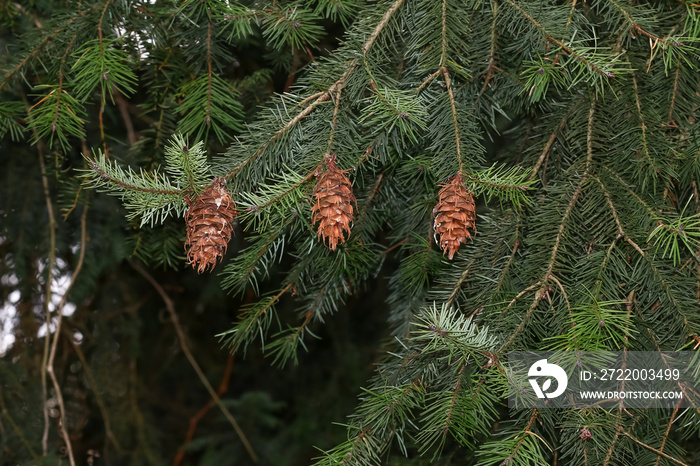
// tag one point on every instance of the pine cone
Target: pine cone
(454, 216)
(209, 228)
(333, 207)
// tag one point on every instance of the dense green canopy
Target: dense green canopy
(574, 126)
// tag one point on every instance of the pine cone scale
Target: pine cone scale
(209, 227)
(332, 209)
(455, 216)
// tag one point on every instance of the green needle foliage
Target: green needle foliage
(574, 125)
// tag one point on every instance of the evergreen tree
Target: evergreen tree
(516, 174)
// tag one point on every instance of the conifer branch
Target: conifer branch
(560, 234)
(209, 80)
(563, 292)
(453, 400)
(642, 124)
(458, 285)
(621, 231)
(522, 439)
(289, 125)
(443, 35)
(104, 97)
(624, 184)
(380, 26)
(47, 40)
(658, 452)
(511, 258)
(428, 80)
(559, 43)
(668, 431)
(673, 96)
(548, 147)
(60, 83)
(368, 201)
(458, 142)
(634, 26)
(131, 187)
(492, 51)
(284, 193)
(334, 121)
(526, 316)
(522, 293)
(350, 68)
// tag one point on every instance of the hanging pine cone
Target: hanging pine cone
(454, 216)
(333, 207)
(209, 228)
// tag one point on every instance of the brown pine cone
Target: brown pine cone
(333, 207)
(209, 228)
(454, 216)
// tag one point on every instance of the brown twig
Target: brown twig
(193, 362)
(124, 111)
(448, 83)
(642, 124)
(527, 430)
(673, 97)
(427, 81)
(194, 420)
(658, 452)
(492, 52)
(620, 230)
(59, 92)
(47, 293)
(548, 147)
(104, 97)
(668, 431)
(54, 346)
(334, 121)
(458, 285)
(209, 74)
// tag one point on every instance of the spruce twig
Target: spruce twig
(350, 68)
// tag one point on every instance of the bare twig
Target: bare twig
(124, 111)
(458, 142)
(658, 452)
(194, 420)
(193, 362)
(54, 346)
(47, 294)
